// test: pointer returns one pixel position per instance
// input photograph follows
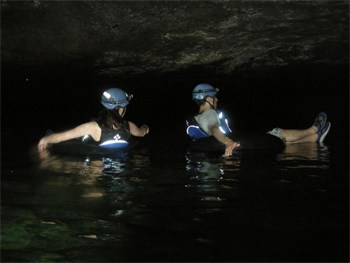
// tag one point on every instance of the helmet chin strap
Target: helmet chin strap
(123, 112)
(211, 105)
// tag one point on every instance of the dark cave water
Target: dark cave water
(162, 202)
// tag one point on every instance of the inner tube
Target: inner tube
(248, 142)
(80, 148)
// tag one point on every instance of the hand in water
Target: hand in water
(230, 146)
(42, 145)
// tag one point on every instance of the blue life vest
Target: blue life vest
(196, 132)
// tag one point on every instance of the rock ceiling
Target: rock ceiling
(136, 37)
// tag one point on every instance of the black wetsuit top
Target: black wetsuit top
(87, 146)
(112, 134)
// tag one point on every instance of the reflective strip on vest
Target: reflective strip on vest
(224, 128)
(196, 132)
(114, 144)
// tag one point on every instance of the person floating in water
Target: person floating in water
(211, 122)
(109, 129)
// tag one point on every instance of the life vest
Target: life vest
(112, 139)
(196, 132)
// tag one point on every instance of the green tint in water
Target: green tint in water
(194, 207)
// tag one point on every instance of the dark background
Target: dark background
(35, 99)
(65, 44)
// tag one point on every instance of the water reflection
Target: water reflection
(304, 167)
(215, 178)
(111, 178)
(86, 167)
(144, 212)
(97, 192)
(304, 155)
(91, 167)
(211, 177)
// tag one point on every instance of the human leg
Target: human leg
(298, 136)
(316, 133)
(310, 138)
(293, 135)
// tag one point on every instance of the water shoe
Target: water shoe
(320, 121)
(277, 132)
(322, 133)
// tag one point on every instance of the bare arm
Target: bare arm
(136, 131)
(90, 128)
(229, 144)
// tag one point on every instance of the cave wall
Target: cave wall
(117, 38)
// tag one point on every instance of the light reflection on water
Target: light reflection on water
(309, 161)
(304, 155)
(211, 177)
(110, 209)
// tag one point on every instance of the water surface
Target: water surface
(256, 206)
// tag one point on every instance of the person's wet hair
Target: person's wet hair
(108, 119)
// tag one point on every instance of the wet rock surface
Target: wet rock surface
(142, 37)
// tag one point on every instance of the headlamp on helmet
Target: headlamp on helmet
(203, 90)
(115, 98)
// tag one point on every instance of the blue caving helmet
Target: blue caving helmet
(115, 98)
(203, 90)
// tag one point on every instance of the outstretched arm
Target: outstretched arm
(136, 131)
(230, 145)
(90, 128)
